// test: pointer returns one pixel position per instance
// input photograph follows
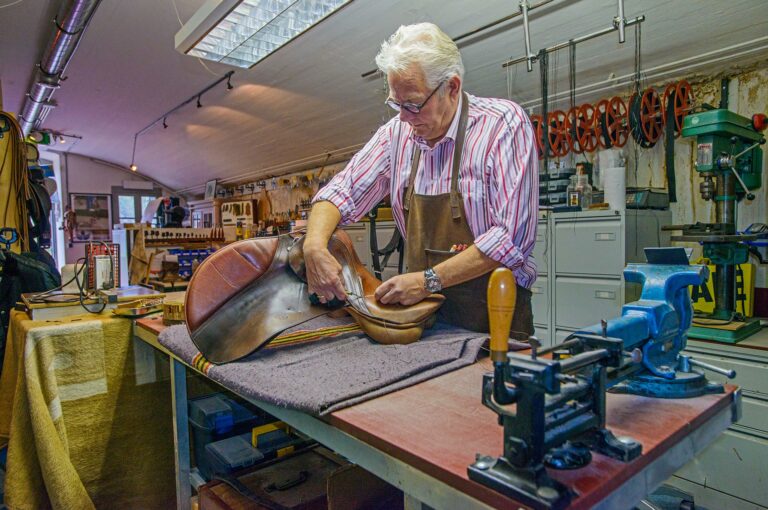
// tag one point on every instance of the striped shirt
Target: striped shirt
(498, 179)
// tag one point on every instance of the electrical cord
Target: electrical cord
(79, 297)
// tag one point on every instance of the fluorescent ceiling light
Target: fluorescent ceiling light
(242, 32)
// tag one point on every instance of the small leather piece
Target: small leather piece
(249, 292)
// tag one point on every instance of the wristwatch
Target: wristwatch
(432, 282)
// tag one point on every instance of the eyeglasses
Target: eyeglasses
(411, 107)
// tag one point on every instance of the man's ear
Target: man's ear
(454, 87)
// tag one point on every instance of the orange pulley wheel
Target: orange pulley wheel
(616, 122)
(646, 118)
(683, 103)
(557, 133)
(601, 129)
(585, 127)
(570, 130)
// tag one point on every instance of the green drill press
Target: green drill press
(729, 159)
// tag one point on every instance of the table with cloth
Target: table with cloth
(85, 410)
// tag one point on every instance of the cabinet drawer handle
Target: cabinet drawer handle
(605, 294)
(605, 236)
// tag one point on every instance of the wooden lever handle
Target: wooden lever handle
(502, 295)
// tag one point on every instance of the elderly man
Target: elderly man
(460, 171)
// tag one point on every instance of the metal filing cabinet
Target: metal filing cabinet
(733, 472)
(581, 258)
(540, 290)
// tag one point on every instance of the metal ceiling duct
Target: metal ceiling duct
(70, 24)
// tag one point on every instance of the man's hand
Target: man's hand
(406, 289)
(323, 274)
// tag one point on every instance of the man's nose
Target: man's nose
(405, 115)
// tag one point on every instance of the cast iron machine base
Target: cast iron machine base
(559, 415)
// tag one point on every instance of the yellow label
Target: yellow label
(703, 296)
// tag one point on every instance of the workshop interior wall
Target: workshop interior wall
(83, 175)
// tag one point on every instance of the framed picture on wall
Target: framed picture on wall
(93, 217)
(210, 190)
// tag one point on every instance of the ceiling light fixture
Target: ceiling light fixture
(61, 139)
(164, 117)
(242, 32)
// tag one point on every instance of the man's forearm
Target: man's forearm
(465, 266)
(323, 220)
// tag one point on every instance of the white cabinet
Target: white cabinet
(580, 258)
(733, 472)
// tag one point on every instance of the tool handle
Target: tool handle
(502, 295)
(730, 374)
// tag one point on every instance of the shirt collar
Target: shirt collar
(452, 129)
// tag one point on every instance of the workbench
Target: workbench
(422, 438)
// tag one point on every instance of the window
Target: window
(126, 208)
(129, 204)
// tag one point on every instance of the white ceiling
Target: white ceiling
(308, 99)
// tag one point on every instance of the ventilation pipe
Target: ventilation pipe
(70, 24)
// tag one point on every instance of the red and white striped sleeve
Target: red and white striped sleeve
(364, 182)
(512, 164)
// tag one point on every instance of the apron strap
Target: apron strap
(457, 151)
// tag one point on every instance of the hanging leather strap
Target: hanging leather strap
(457, 151)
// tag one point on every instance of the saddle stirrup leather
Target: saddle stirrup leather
(249, 292)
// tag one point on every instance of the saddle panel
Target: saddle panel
(225, 273)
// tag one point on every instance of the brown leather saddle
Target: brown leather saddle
(249, 292)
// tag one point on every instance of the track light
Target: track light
(165, 124)
(229, 83)
(61, 139)
(199, 105)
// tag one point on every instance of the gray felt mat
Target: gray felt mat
(333, 373)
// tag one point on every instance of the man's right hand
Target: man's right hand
(323, 274)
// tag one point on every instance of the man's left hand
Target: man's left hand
(406, 289)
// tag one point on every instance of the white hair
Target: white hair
(425, 45)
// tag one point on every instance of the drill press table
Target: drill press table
(422, 438)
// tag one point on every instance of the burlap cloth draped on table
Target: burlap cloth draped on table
(86, 412)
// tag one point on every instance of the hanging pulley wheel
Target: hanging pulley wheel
(570, 130)
(538, 130)
(557, 133)
(601, 126)
(615, 124)
(681, 95)
(586, 121)
(646, 118)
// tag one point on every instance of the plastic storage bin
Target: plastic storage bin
(232, 454)
(216, 417)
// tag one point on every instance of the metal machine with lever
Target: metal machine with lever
(729, 159)
(559, 416)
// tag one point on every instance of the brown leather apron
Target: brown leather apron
(436, 222)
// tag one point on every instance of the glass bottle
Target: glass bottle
(579, 191)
